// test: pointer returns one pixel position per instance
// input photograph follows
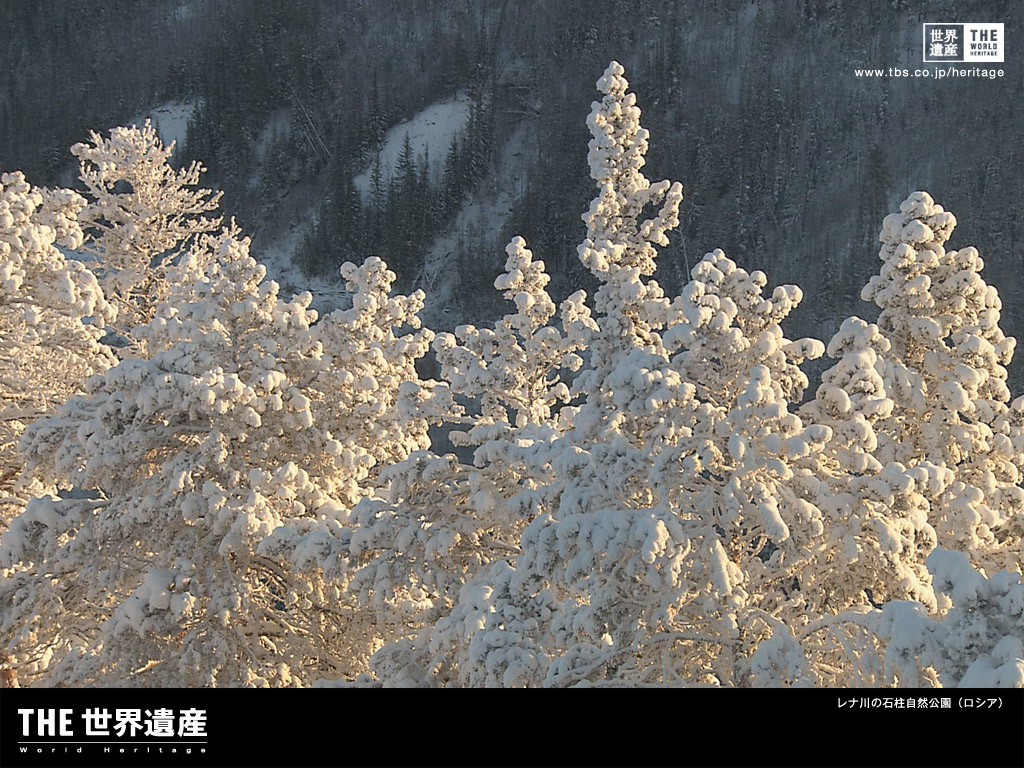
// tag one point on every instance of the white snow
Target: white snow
(184, 12)
(478, 222)
(430, 130)
(617, 533)
(278, 257)
(170, 120)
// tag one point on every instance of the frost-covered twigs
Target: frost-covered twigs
(217, 478)
(947, 377)
(141, 215)
(52, 319)
(652, 498)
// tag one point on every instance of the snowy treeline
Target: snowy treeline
(227, 489)
(290, 105)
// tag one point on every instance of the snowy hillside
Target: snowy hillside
(648, 488)
(170, 120)
(293, 100)
(477, 225)
(430, 133)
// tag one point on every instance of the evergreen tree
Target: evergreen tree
(651, 498)
(214, 477)
(578, 552)
(142, 214)
(877, 522)
(942, 321)
(423, 551)
(52, 319)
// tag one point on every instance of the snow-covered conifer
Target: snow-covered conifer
(952, 402)
(52, 315)
(601, 558)
(747, 477)
(372, 394)
(141, 215)
(877, 534)
(377, 406)
(853, 396)
(422, 544)
(619, 248)
(517, 371)
(217, 478)
(979, 643)
(652, 500)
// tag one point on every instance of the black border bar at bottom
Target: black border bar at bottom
(651, 727)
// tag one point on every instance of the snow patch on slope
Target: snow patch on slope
(170, 120)
(184, 12)
(477, 226)
(431, 130)
(278, 257)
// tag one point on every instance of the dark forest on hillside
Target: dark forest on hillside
(789, 160)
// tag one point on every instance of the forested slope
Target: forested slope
(791, 157)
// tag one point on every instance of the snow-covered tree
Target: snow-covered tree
(52, 316)
(596, 534)
(688, 523)
(746, 478)
(619, 248)
(624, 576)
(876, 523)
(979, 643)
(443, 521)
(853, 396)
(381, 410)
(516, 375)
(924, 393)
(141, 215)
(952, 402)
(375, 395)
(214, 477)
(652, 498)
(600, 570)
